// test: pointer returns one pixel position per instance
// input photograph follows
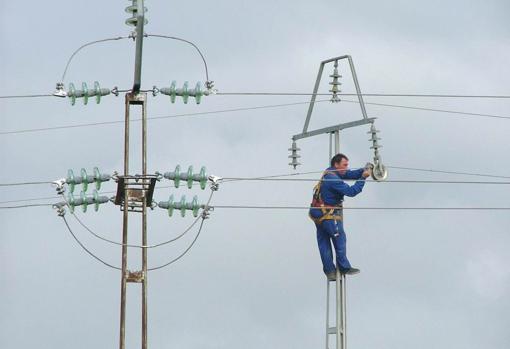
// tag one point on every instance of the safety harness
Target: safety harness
(328, 211)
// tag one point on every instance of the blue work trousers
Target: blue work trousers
(332, 232)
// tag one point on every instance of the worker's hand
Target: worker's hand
(368, 170)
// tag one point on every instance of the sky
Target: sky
(254, 278)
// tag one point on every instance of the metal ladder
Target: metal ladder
(339, 329)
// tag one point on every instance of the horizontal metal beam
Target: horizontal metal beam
(331, 129)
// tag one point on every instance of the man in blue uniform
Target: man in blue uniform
(326, 212)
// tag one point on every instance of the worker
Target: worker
(327, 214)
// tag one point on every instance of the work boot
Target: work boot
(331, 276)
(350, 271)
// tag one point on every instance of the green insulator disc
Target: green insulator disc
(72, 93)
(198, 93)
(70, 180)
(203, 178)
(97, 92)
(84, 201)
(71, 202)
(177, 174)
(96, 200)
(170, 206)
(97, 178)
(172, 92)
(183, 206)
(84, 180)
(195, 206)
(189, 177)
(85, 93)
(185, 93)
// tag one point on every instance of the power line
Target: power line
(86, 249)
(434, 110)
(456, 112)
(261, 207)
(23, 183)
(24, 206)
(363, 94)
(188, 42)
(234, 179)
(158, 117)
(26, 96)
(137, 246)
(149, 269)
(85, 45)
(447, 172)
(418, 95)
(350, 180)
(183, 253)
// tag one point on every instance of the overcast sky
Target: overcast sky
(430, 279)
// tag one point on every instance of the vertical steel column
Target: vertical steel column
(122, 344)
(330, 147)
(139, 99)
(327, 315)
(343, 305)
(337, 142)
(339, 332)
(144, 224)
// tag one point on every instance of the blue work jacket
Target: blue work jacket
(333, 188)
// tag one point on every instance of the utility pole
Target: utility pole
(379, 173)
(134, 191)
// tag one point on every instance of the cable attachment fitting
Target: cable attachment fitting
(155, 91)
(215, 182)
(294, 155)
(206, 212)
(61, 211)
(115, 91)
(59, 90)
(335, 89)
(59, 183)
(209, 85)
(379, 172)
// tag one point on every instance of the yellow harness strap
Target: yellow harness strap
(327, 213)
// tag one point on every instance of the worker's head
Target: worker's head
(340, 162)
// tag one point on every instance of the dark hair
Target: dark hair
(337, 158)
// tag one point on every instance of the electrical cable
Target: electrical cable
(137, 246)
(297, 174)
(432, 110)
(23, 206)
(351, 180)
(26, 96)
(85, 45)
(158, 117)
(87, 250)
(183, 253)
(362, 208)
(447, 172)
(23, 183)
(362, 94)
(188, 42)
(311, 94)
(245, 109)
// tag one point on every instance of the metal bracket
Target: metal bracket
(134, 276)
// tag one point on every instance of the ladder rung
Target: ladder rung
(332, 330)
